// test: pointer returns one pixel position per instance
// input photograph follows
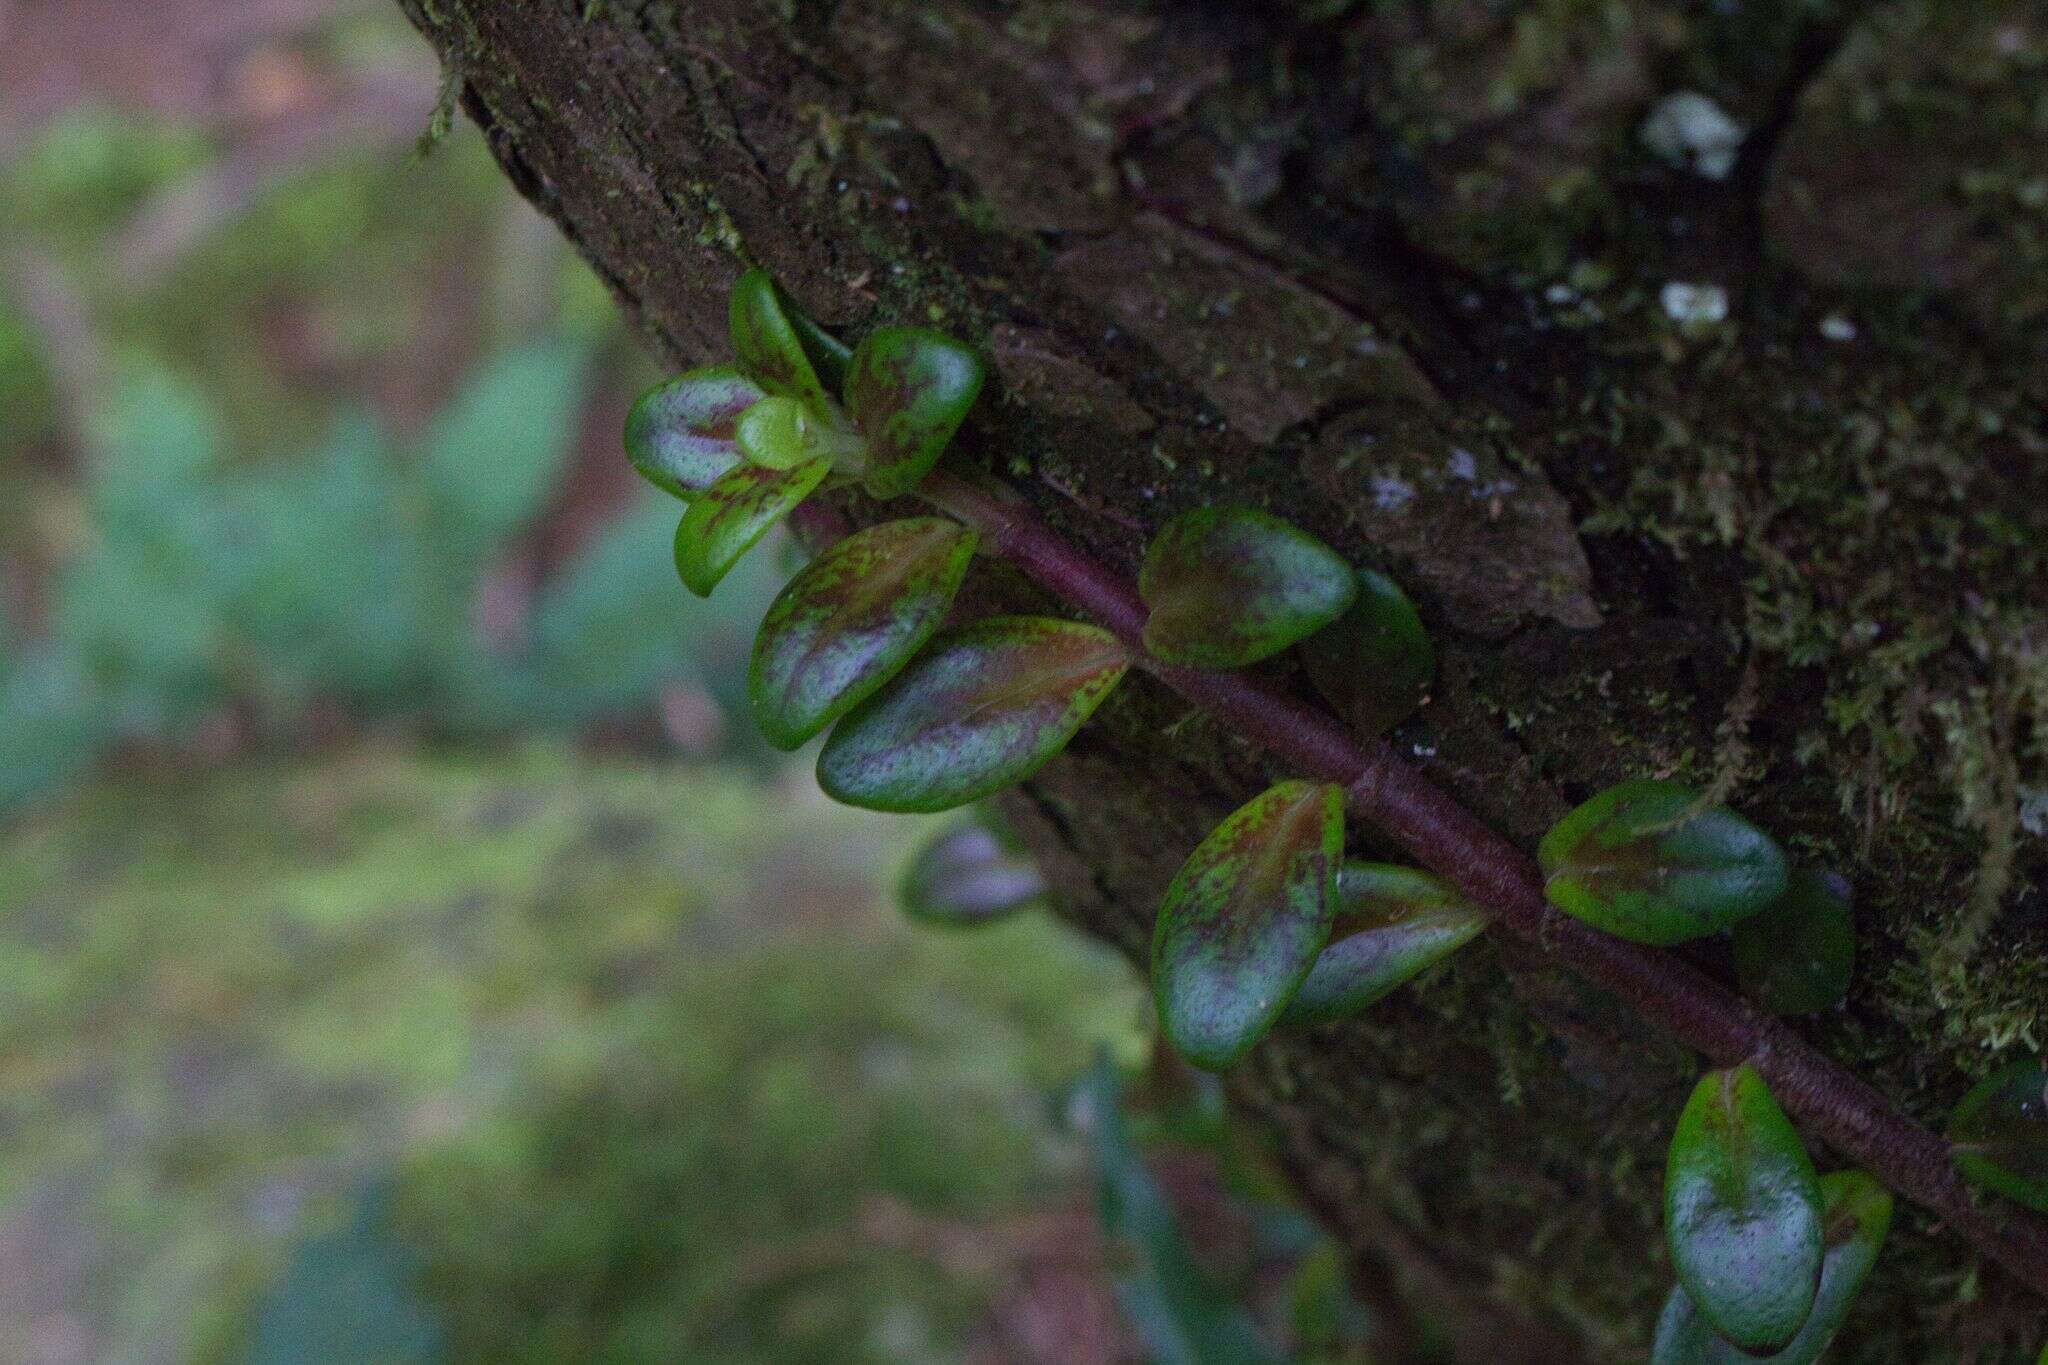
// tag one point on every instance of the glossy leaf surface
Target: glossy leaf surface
(1640, 863)
(1243, 920)
(1374, 663)
(1742, 1212)
(1389, 924)
(682, 435)
(981, 708)
(1228, 586)
(908, 389)
(733, 514)
(2000, 1132)
(768, 345)
(1857, 1212)
(967, 875)
(1797, 956)
(850, 620)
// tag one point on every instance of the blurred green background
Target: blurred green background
(403, 954)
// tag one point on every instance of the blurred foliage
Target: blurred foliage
(633, 1047)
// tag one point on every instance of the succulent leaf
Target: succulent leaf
(1742, 1212)
(908, 389)
(1856, 1213)
(1243, 920)
(853, 618)
(2000, 1133)
(1374, 663)
(1797, 956)
(768, 345)
(1642, 862)
(967, 875)
(1390, 923)
(730, 516)
(682, 435)
(1228, 586)
(981, 708)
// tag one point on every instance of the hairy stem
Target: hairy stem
(1843, 1111)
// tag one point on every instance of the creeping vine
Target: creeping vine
(1267, 924)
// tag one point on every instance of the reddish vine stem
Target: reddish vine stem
(1844, 1111)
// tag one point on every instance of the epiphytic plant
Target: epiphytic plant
(1266, 924)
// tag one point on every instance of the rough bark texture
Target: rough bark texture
(1398, 271)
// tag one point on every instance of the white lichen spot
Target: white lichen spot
(1693, 133)
(1462, 465)
(1391, 492)
(2034, 810)
(1837, 327)
(1694, 305)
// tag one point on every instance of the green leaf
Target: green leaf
(770, 350)
(1374, 663)
(908, 390)
(1857, 1212)
(1390, 923)
(1641, 863)
(850, 621)
(2000, 1132)
(966, 875)
(1742, 1212)
(1180, 1313)
(493, 456)
(1229, 586)
(1797, 956)
(733, 514)
(829, 356)
(1244, 919)
(683, 435)
(781, 433)
(982, 708)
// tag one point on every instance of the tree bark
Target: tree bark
(1412, 275)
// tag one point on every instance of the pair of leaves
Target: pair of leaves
(2000, 1132)
(1228, 586)
(1797, 956)
(967, 875)
(1390, 923)
(983, 707)
(1856, 1214)
(1644, 861)
(1244, 919)
(1743, 1213)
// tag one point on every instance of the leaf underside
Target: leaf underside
(1797, 956)
(1373, 664)
(967, 876)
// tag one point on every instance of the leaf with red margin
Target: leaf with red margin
(729, 517)
(981, 708)
(1228, 586)
(908, 389)
(682, 435)
(850, 621)
(1244, 919)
